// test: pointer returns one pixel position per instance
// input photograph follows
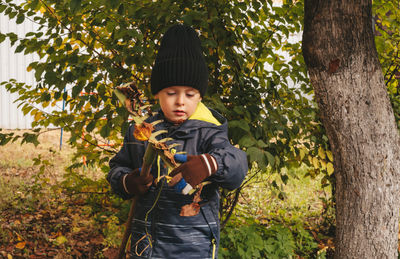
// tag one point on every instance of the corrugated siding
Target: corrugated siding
(13, 65)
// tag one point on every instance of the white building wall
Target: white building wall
(13, 65)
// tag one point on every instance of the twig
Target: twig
(235, 201)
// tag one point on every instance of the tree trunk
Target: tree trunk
(339, 50)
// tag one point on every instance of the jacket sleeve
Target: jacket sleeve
(128, 158)
(232, 162)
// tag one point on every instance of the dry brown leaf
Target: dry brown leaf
(193, 208)
(170, 157)
(128, 105)
(143, 131)
(189, 210)
(197, 197)
(166, 153)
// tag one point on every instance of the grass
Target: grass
(18, 160)
(17, 165)
(301, 194)
(291, 218)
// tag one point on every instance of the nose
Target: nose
(180, 99)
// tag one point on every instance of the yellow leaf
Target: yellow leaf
(19, 238)
(20, 245)
(45, 104)
(9, 256)
(302, 154)
(321, 153)
(323, 164)
(310, 159)
(29, 68)
(330, 156)
(38, 116)
(329, 168)
(315, 162)
(61, 240)
(76, 229)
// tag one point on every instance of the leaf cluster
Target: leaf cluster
(88, 48)
(387, 41)
(275, 241)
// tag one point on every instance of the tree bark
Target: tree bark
(340, 53)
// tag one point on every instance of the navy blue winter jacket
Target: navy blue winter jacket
(156, 217)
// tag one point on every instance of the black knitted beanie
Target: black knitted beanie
(179, 61)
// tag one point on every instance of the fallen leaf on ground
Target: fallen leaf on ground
(61, 240)
(20, 245)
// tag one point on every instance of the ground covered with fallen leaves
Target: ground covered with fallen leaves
(46, 215)
(50, 232)
(49, 211)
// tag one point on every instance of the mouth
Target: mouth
(179, 113)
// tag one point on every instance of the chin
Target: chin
(177, 121)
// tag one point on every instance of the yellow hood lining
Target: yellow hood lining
(202, 113)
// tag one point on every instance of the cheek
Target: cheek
(194, 106)
(166, 104)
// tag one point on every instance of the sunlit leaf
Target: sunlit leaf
(61, 240)
(321, 153)
(329, 168)
(329, 155)
(315, 162)
(20, 245)
(143, 131)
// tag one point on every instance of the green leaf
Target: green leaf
(2, 37)
(105, 130)
(247, 141)
(242, 124)
(77, 89)
(2, 7)
(19, 48)
(284, 178)
(20, 19)
(257, 155)
(50, 77)
(91, 126)
(120, 95)
(121, 9)
(75, 5)
(261, 144)
(270, 158)
(30, 138)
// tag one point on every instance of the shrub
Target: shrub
(256, 241)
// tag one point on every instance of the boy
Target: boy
(179, 80)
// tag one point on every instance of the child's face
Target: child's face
(178, 103)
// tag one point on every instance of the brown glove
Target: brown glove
(196, 168)
(136, 184)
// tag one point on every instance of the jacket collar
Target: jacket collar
(202, 113)
(202, 117)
